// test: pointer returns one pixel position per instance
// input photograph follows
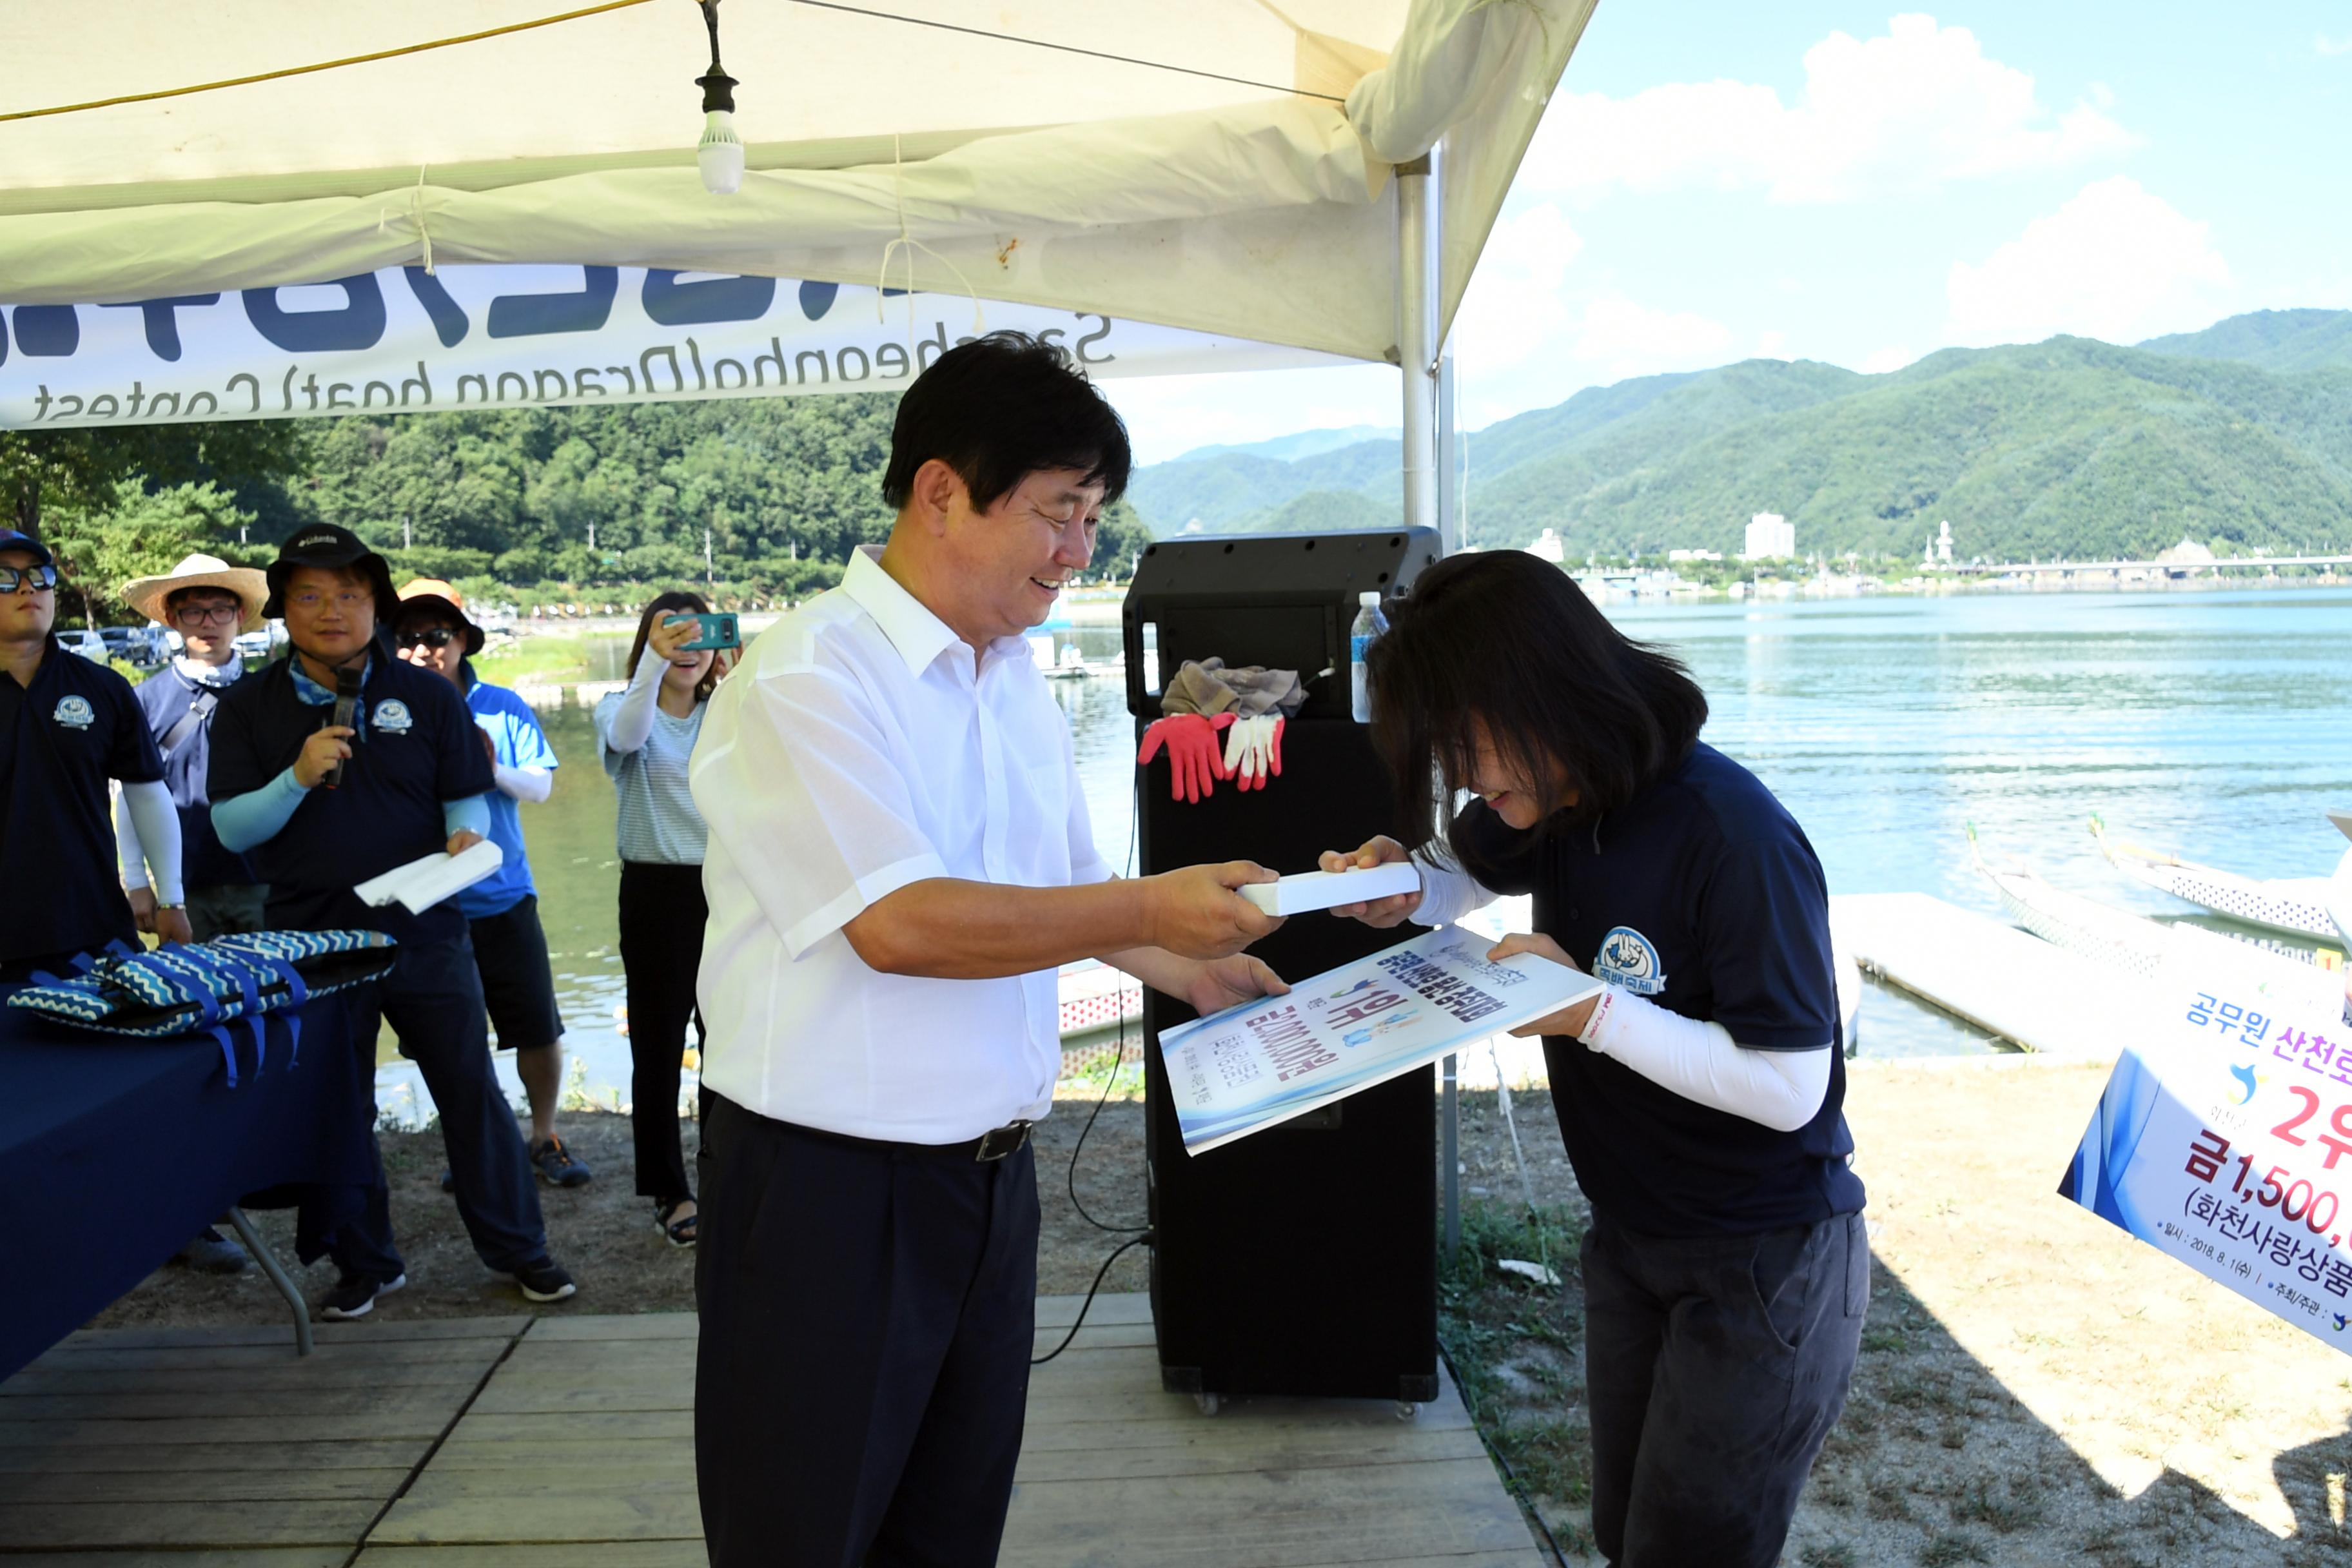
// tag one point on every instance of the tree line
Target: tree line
(756, 500)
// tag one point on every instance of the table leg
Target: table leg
(269, 1266)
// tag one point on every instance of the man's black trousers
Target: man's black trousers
(1715, 1367)
(867, 1315)
(433, 1000)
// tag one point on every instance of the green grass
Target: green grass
(548, 658)
(1514, 1350)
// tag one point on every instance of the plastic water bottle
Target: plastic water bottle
(1370, 624)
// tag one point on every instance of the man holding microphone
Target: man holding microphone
(898, 861)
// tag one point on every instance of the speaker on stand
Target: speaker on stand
(1302, 1259)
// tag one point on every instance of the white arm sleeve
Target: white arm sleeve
(1701, 1061)
(533, 785)
(1447, 893)
(126, 843)
(157, 823)
(632, 721)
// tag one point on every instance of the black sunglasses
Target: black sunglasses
(42, 578)
(429, 636)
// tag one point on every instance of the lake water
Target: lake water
(2216, 724)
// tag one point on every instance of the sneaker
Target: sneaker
(213, 1253)
(544, 1280)
(556, 1167)
(355, 1296)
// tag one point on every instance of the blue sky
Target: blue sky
(1862, 185)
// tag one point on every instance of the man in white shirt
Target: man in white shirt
(899, 859)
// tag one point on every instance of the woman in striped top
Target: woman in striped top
(644, 737)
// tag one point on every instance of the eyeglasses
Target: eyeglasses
(30, 579)
(429, 636)
(342, 598)
(217, 614)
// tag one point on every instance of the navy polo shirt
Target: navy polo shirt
(77, 726)
(1703, 895)
(418, 748)
(165, 697)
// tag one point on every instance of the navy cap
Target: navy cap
(326, 545)
(12, 540)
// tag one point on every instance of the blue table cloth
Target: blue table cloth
(114, 1152)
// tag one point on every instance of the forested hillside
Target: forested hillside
(2240, 437)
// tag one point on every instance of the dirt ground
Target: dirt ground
(2035, 1386)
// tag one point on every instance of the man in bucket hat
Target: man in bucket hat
(68, 725)
(510, 946)
(321, 805)
(208, 602)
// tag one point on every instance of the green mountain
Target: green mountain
(2240, 437)
(2273, 340)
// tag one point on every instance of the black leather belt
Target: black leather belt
(998, 1142)
(993, 1144)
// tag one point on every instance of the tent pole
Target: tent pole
(1420, 230)
(1419, 221)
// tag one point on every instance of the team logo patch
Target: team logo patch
(1628, 958)
(74, 713)
(391, 717)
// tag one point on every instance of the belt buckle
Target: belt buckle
(998, 1142)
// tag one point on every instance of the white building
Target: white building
(1680, 556)
(1548, 547)
(1770, 537)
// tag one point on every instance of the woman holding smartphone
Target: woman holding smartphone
(645, 738)
(1725, 1272)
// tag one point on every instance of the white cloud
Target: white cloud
(1908, 111)
(1518, 297)
(1878, 362)
(1772, 345)
(2115, 263)
(2327, 46)
(1619, 338)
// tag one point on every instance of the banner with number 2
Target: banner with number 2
(2223, 1139)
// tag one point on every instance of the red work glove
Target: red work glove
(1194, 763)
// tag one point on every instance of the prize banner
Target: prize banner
(2222, 1141)
(1248, 1068)
(407, 340)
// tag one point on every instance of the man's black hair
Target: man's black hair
(1001, 408)
(1505, 642)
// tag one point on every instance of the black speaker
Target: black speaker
(1302, 1259)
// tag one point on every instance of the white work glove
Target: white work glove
(1253, 750)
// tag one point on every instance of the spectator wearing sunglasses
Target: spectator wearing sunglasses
(432, 632)
(208, 602)
(67, 726)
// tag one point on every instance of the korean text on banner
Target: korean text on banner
(2222, 1141)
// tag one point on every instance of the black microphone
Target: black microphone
(347, 699)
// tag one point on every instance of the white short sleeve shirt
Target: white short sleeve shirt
(858, 747)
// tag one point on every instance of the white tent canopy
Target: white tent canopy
(1220, 166)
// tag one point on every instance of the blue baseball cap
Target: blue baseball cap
(12, 540)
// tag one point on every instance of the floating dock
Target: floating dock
(1995, 976)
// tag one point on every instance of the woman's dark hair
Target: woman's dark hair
(1507, 641)
(676, 601)
(999, 408)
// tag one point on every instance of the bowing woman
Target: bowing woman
(1725, 1272)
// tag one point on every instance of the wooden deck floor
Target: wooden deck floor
(428, 1445)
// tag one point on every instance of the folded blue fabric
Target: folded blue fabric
(185, 988)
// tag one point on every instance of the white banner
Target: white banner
(407, 341)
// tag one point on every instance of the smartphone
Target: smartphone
(720, 630)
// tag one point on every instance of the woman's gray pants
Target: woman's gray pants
(1714, 1368)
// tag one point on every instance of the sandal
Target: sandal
(679, 1233)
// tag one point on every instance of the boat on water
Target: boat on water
(2155, 951)
(2293, 906)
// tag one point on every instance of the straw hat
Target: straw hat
(434, 593)
(146, 594)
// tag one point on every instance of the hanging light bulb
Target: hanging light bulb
(720, 151)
